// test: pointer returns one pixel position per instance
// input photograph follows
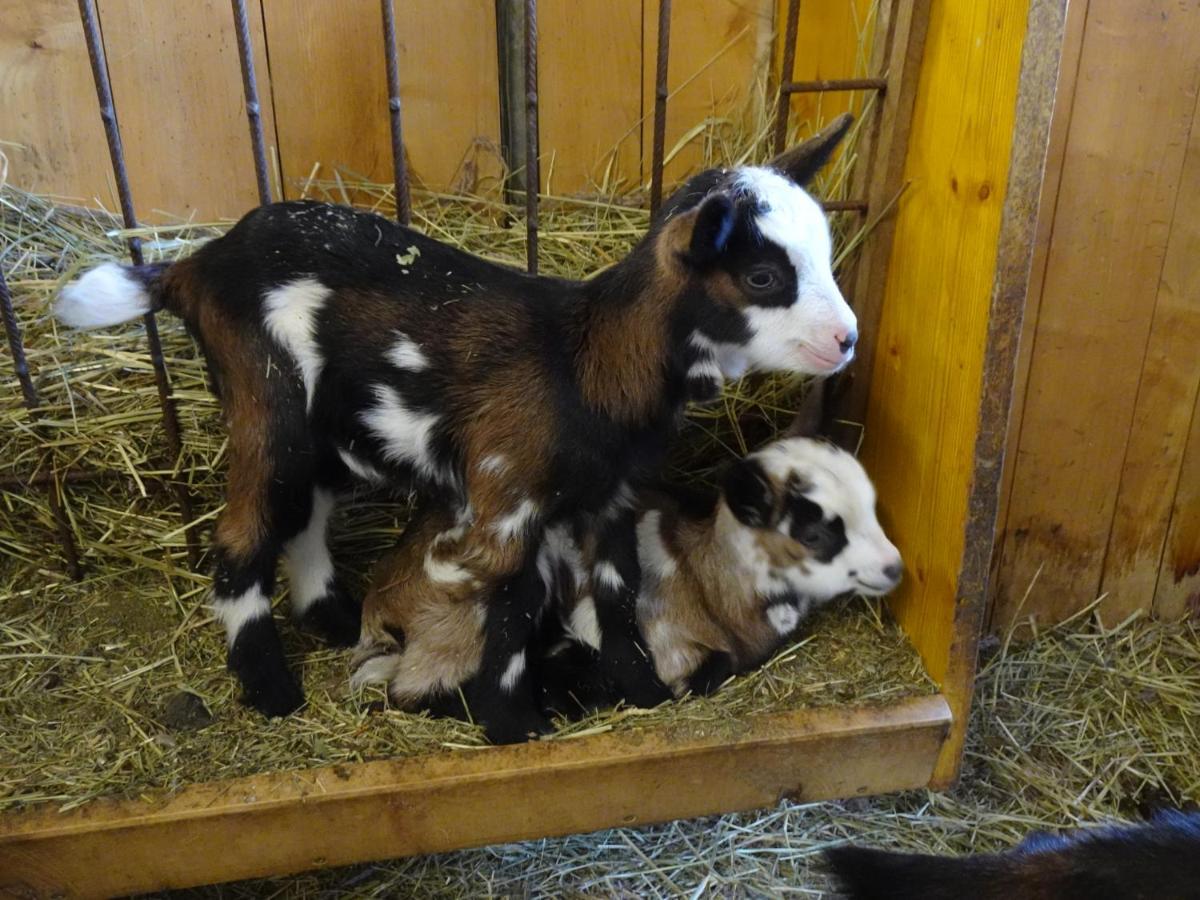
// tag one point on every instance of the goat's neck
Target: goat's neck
(624, 328)
(723, 564)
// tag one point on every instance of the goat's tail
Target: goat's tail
(111, 294)
(863, 873)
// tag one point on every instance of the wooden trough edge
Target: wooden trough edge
(285, 822)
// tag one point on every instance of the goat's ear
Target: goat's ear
(711, 229)
(802, 162)
(809, 421)
(748, 493)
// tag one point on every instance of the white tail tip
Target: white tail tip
(106, 295)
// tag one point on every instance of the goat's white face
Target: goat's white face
(815, 333)
(811, 509)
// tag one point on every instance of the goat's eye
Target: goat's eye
(761, 279)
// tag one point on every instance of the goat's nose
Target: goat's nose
(893, 571)
(847, 341)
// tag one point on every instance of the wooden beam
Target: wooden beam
(291, 821)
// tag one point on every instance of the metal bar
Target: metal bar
(844, 205)
(533, 177)
(253, 109)
(95, 45)
(660, 104)
(12, 328)
(66, 476)
(399, 167)
(789, 66)
(833, 84)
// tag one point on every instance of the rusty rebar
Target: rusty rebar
(533, 177)
(660, 104)
(399, 166)
(16, 344)
(833, 84)
(253, 109)
(112, 131)
(785, 74)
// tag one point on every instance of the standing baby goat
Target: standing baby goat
(342, 344)
(721, 589)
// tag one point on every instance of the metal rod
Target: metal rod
(660, 104)
(12, 328)
(833, 84)
(789, 65)
(95, 45)
(66, 476)
(399, 166)
(253, 109)
(533, 177)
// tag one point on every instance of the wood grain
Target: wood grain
(178, 92)
(330, 90)
(50, 128)
(1133, 108)
(924, 403)
(1178, 590)
(291, 821)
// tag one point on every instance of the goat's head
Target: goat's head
(806, 514)
(755, 251)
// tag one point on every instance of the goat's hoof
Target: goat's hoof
(335, 618)
(274, 699)
(517, 727)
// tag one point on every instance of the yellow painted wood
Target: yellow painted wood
(925, 386)
(49, 123)
(1178, 589)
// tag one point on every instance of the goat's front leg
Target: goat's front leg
(319, 601)
(616, 580)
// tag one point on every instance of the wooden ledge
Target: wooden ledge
(286, 822)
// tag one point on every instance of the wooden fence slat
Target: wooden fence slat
(1178, 591)
(1133, 108)
(178, 92)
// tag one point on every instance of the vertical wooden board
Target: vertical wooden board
(330, 87)
(590, 94)
(1133, 107)
(1178, 590)
(177, 87)
(1163, 411)
(923, 408)
(1072, 47)
(49, 121)
(715, 58)
(833, 40)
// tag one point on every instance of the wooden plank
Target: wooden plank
(1133, 109)
(718, 48)
(177, 87)
(1072, 48)
(287, 822)
(924, 405)
(52, 134)
(590, 92)
(1166, 397)
(1178, 590)
(331, 105)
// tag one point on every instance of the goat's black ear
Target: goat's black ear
(748, 493)
(809, 421)
(802, 162)
(712, 229)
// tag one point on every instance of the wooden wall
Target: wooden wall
(1103, 473)
(178, 91)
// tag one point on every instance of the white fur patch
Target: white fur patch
(103, 296)
(442, 571)
(606, 574)
(731, 360)
(376, 670)
(407, 354)
(706, 368)
(493, 464)
(514, 524)
(513, 672)
(290, 314)
(655, 558)
(235, 612)
(622, 499)
(783, 617)
(360, 468)
(405, 432)
(309, 565)
(583, 625)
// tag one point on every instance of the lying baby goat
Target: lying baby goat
(793, 528)
(342, 344)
